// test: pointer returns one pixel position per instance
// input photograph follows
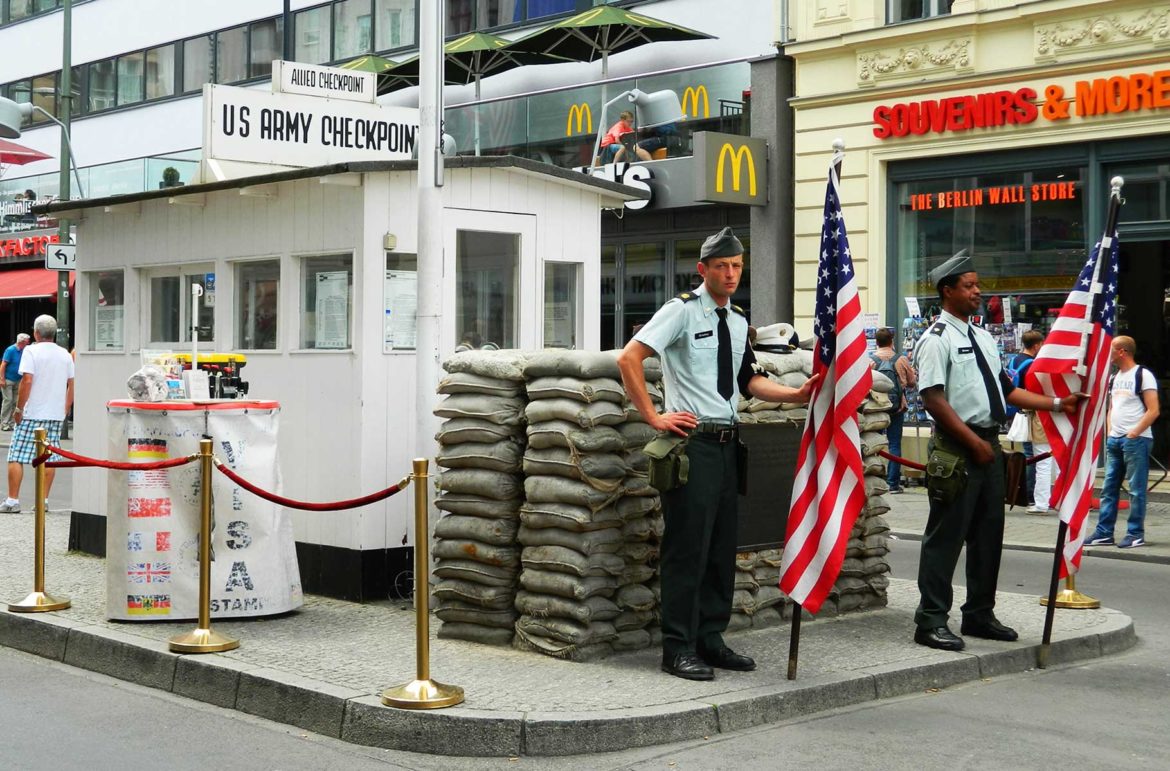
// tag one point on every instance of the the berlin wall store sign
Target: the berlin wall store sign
(292, 129)
(1089, 98)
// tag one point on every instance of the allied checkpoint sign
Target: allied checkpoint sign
(153, 517)
(292, 129)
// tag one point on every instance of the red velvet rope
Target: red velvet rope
(920, 467)
(305, 505)
(81, 460)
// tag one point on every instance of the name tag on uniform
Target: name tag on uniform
(701, 335)
(968, 349)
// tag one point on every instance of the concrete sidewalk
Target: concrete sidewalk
(321, 668)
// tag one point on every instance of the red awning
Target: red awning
(30, 283)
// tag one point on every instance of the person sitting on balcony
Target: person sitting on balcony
(664, 137)
(612, 149)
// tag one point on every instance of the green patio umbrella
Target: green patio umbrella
(368, 63)
(466, 60)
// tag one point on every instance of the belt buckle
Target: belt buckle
(726, 435)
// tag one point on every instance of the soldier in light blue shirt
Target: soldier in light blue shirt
(964, 390)
(707, 361)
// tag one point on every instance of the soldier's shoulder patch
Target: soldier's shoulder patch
(686, 297)
(939, 328)
(739, 310)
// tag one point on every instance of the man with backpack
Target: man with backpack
(896, 367)
(1133, 408)
(1017, 369)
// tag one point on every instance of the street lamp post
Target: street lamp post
(65, 110)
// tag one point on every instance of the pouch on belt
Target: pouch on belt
(669, 465)
(946, 474)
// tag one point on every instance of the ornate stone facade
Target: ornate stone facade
(913, 61)
(1093, 35)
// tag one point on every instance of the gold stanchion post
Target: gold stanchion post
(202, 639)
(38, 601)
(422, 692)
(1071, 598)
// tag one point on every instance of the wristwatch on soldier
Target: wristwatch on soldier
(1056, 402)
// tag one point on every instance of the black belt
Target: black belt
(717, 432)
(985, 432)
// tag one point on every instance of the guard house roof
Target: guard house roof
(616, 191)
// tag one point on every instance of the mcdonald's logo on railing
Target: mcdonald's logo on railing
(737, 155)
(691, 96)
(584, 117)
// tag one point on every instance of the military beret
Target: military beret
(955, 266)
(722, 244)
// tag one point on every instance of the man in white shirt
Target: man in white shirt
(1133, 408)
(43, 400)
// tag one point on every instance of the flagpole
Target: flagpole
(797, 610)
(1062, 531)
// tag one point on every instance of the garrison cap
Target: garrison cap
(722, 244)
(955, 266)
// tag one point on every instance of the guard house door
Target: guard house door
(490, 281)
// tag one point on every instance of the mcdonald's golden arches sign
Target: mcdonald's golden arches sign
(730, 168)
(579, 120)
(692, 97)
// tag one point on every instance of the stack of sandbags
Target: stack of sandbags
(574, 568)
(477, 559)
(757, 601)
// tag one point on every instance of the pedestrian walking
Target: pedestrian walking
(44, 398)
(10, 379)
(702, 340)
(896, 367)
(1133, 408)
(965, 391)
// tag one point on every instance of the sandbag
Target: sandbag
(462, 430)
(560, 650)
(636, 435)
(462, 612)
(636, 597)
(882, 383)
(490, 597)
(876, 486)
(632, 640)
(745, 579)
(478, 506)
(607, 541)
(634, 507)
(471, 383)
(876, 402)
(487, 484)
(477, 572)
(600, 389)
(649, 528)
(562, 433)
(567, 585)
(565, 560)
(462, 549)
(499, 532)
(634, 619)
(501, 365)
(783, 363)
(485, 635)
(603, 471)
(501, 410)
(499, 456)
(793, 379)
(636, 574)
(639, 552)
(584, 415)
(566, 516)
(637, 460)
(873, 421)
(872, 443)
(582, 611)
(579, 364)
(567, 631)
(571, 491)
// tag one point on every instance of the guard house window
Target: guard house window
(562, 303)
(311, 38)
(326, 302)
(257, 301)
(351, 29)
(487, 278)
(172, 306)
(400, 306)
(911, 10)
(107, 316)
(196, 62)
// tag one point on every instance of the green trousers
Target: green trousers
(974, 519)
(698, 549)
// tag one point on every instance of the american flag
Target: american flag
(829, 491)
(1075, 358)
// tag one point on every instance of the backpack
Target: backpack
(887, 368)
(1017, 368)
(1137, 385)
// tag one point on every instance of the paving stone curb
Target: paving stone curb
(360, 718)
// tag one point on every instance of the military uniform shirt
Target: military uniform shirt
(945, 357)
(685, 335)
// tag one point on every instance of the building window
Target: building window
(911, 10)
(231, 55)
(562, 303)
(257, 301)
(326, 302)
(107, 318)
(267, 44)
(103, 86)
(351, 29)
(172, 306)
(394, 23)
(460, 17)
(160, 72)
(487, 297)
(400, 322)
(44, 95)
(197, 62)
(131, 78)
(311, 38)
(539, 8)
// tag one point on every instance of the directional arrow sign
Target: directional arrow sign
(60, 257)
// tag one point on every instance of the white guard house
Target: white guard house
(310, 273)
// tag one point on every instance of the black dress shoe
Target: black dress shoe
(687, 666)
(726, 658)
(939, 637)
(990, 630)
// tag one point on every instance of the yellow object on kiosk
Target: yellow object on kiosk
(223, 372)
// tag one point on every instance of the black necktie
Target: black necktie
(993, 397)
(726, 388)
